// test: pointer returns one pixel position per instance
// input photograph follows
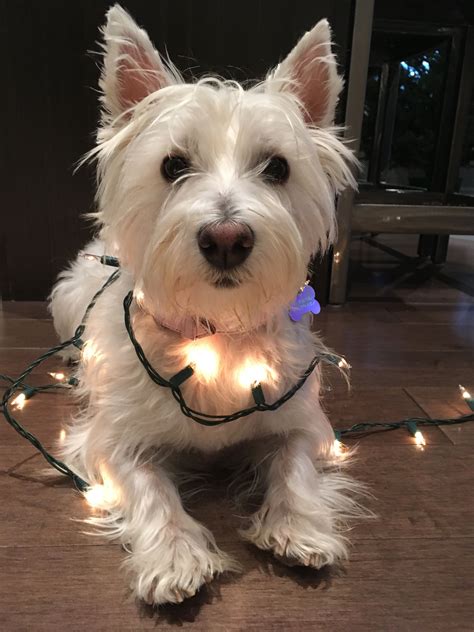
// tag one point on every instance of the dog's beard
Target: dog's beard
(230, 300)
(177, 280)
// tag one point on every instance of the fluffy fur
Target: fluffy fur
(130, 431)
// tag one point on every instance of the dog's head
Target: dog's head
(215, 197)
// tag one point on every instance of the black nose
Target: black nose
(226, 245)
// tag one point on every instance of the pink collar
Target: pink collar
(193, 328)
(188, 327)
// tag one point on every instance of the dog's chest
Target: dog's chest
(224, 370)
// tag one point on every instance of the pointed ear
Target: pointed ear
(310, 72)
(132, 68)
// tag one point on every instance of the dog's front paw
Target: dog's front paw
(296, 540)
(177, 569)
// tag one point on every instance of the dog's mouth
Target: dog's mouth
(228, 279)
(226, 282)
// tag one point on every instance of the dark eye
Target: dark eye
(277, 170)
(173, 167)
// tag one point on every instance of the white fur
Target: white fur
(129, 427)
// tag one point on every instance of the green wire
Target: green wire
(405, 423)
(20, 383)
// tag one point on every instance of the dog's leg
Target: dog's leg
(304, 509)
(171, 554)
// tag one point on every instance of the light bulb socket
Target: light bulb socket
(337, 435)
(182, 375)
(107, 260)
(470, 402)
(331, 358)
(257, 394)
(412, 428)
(338, 361)
(29, 391)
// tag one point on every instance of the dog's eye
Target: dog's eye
(277, 170)
(174, 167)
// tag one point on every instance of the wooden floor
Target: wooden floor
(410, 342)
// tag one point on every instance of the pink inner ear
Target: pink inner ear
(137, 75)
(313, 85)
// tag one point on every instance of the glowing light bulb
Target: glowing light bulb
(254, 373)
(468, 398)
(139, 296)
(419, 439)
(89, 257)
(57, 376)
(202, 356)
(339, 449)
(343, 364)
(89, 351)
(103, 495)
(417, 434)
(62, 436)
(464, 392)
(95, 496)
(19, 401)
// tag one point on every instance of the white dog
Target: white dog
(214, 198)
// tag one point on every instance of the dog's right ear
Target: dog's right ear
(132, 68)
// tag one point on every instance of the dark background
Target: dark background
(50, 104)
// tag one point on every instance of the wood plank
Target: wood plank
(374, 340)
(458, 315)
(399, 472)
(14, 361)
(395, 311)
(372, 405)
(24, 309)
(447, 403)
(390, 288)
(56, 510)
(417, 493)
(21, 333)
(44, 415)
(400, 594)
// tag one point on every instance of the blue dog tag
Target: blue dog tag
(304, 303)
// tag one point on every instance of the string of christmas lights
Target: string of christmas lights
(174, 383)
(27, 391)
(20, 391)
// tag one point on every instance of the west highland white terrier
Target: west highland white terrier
(214, 198)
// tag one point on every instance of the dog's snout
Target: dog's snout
(226, 245)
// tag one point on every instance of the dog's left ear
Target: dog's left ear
(132, 68)
(310, 72)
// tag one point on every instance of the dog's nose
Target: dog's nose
(227, 244)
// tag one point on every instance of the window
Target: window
(410, 101)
